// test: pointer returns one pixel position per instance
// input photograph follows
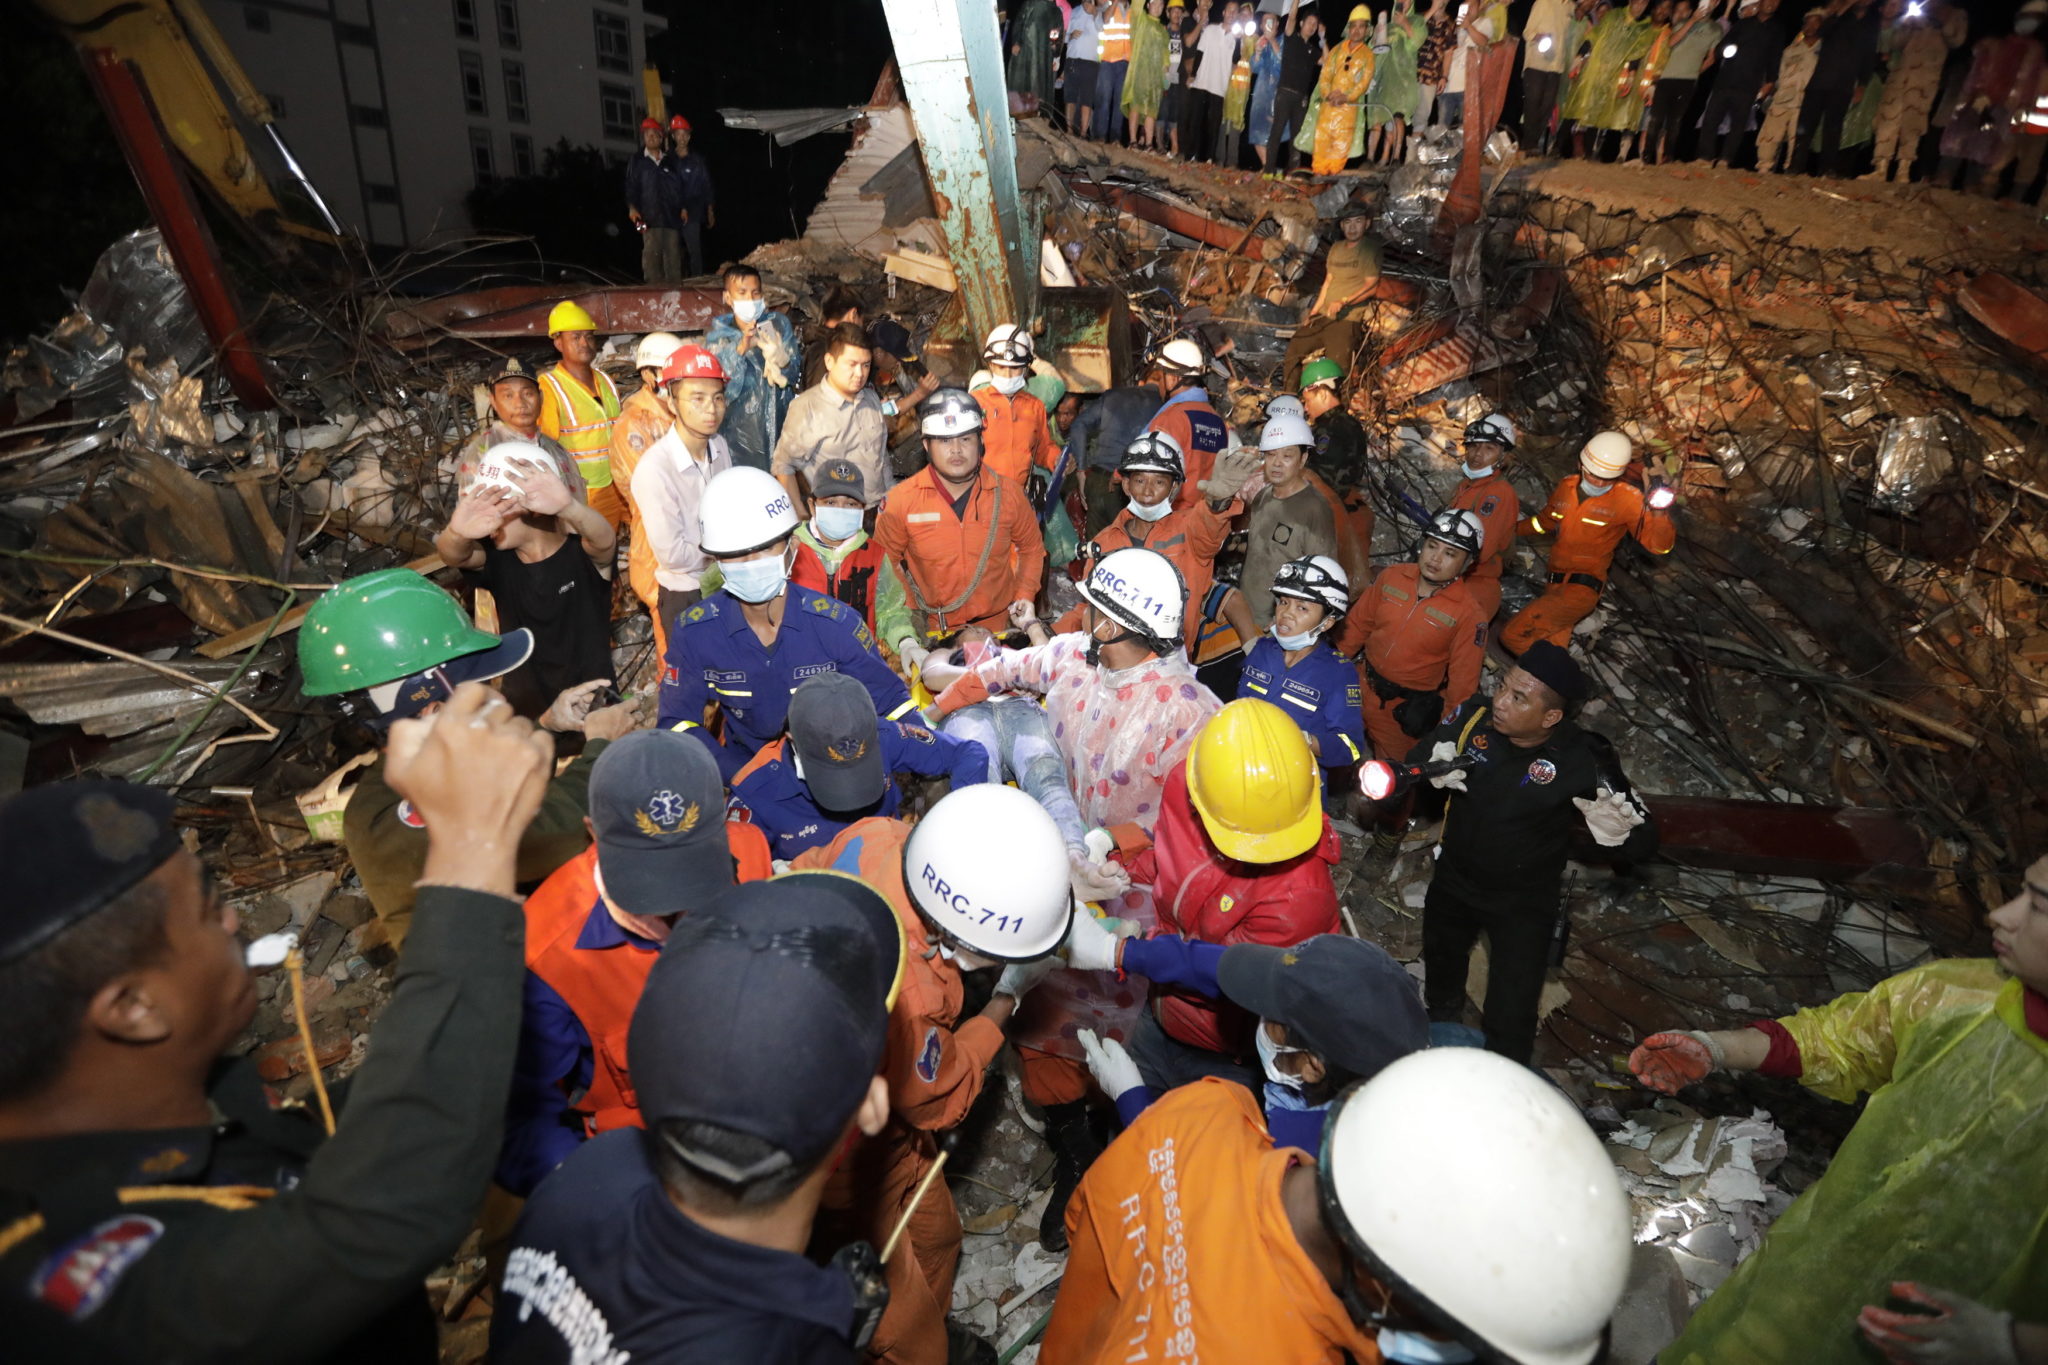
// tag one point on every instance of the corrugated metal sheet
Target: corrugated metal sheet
(846, 217)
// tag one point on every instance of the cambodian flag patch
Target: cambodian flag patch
(928, 1057)
(410, 817)
(77, 1279)
(670, 675)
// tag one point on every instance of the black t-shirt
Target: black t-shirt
(1758, 45)
(567, 604)
(1299, 63)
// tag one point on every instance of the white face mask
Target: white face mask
(757, 580)
(1007, 384)
(1150, 511)
(1413, 1348)
(1269, 1055)
(1291, 642)
(1472, 473)
(1592, 488)
(835, 523)
(749, 310)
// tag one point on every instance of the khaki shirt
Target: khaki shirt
(823, 426)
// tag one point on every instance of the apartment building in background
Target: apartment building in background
(398, 108)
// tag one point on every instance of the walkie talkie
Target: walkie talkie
(870, 1289)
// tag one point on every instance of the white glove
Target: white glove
(1094, 880)
(1111, 1066)
(911, 655)
(1091, 945)
(1234, 468)
(1609, 817)
(572, 706)
(1454, 780)
(1019, 977)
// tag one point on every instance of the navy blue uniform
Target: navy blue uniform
(605, 1269)
(781, 805)
(1320, 693)
(714, 656)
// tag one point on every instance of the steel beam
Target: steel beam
(950, 55)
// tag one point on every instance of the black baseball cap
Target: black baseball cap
(839, 479)
(765, 1017)
(512, 367)
(658, 807)
(1348, 1000)
(1554, 667)
(837, 742)
(72, 847)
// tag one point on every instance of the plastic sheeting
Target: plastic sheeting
(135, 298)
(1912, 458)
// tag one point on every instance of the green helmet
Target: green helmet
(385, 627)
(1323, 371)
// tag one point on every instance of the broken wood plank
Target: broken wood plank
(249, 635)
(925, 269)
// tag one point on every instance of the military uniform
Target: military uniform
(229, 1242)
(1915, 55)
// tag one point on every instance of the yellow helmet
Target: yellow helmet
(1359, 12)
(569, 316)
(1254, 783)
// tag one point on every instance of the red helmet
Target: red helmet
(650, 122)
(676, 122)
(692, 362)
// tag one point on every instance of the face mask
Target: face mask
(749, 310)
(1150, 511)
(1007, 384)
(1472, 473)
(1291, 642)
(756, 580)
(836, 523)
(1589, 489)
(1413, 1348)
(2025, 26)
(1270, 1053)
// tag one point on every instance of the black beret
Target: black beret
(70, 848)
(1554, 667)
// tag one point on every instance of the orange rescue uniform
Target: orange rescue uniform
(1190, 536)
(1589, 531)
(1201, 433)
(1421, 643)
(962, 564)
(1492, 500)
(1182, 1249)
(642, 422)
(1014, 436)
(935, 1064)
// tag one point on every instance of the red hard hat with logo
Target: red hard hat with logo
(692, 362)
(677, 122)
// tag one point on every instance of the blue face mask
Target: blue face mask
(1290, 643)
(1587, 489)
(756, 580)
(1412, 1348)
(836, 523)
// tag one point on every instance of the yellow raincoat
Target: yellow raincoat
(1347, 72)
(1943, 1180)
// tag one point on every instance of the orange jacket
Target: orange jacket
(1014, 435)
(642, 421)
(1492, 500)
(1183, 1249)
(935, 1063)
(1201, 434)
(1189, 535)
(1589, 530)
(603, 986)
(937, 550)
(1426, 643)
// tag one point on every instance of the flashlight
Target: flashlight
(1544, 43)
(1382, 781)
(1662, 494)
(1915, 10)
(1727, 52)
(270, 950)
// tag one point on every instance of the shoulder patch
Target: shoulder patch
(1486, 508)
(825, 606)
(703, 611)
(916, 732)
(636, 440)
(77, 1278)
(928, 1056)
(410, 817)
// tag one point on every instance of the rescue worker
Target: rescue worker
(1915, 48)
(1332, 1010)
(579, 403)
(661, 847)
(407, 645)
(1290, 517)
(515, 418)
(1939, 1182)
(747, 646)
(1429, 1229)
(1186, 414)
(1098, 438)
(1589, 512)
(1518, 769)
(757, 348)
(838, 764)
(1294, 667)
(837, 553)
(1484, 491)
(150, 1192)
(667, 561)
(1015, 438)
(1339, 454)
(964, 538)
(700, 206)
(644, 418)
(756, 1047)
(980, 882)
(1335, 320)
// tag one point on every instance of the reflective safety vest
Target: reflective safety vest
(586, 420)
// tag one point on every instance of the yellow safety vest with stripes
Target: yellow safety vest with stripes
(586, 422)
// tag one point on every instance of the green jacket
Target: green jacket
(255, 1238)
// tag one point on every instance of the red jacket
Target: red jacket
(1200, 894)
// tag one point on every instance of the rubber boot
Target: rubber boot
(1074, 1149)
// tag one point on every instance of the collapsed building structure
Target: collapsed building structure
(1831, 693)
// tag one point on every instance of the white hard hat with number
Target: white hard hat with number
(988, 866)
(1606, 456)
(743, 509)
(1473, 1187)
(1286, 405)
(1285, 429)
(655, 349)
(495, 465)
(1181, 356)
(1141, 589)
(1008, 344)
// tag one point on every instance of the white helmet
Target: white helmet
(743, 509)
(1474, 1188)
(1606, 456)
(495, 464)
(1181, 356)
(1141, 589)
(654, 350)
(1460, 529)
(1285, 429)
(1286, 405)
(949, 412)
(1008, 344)
(1317, 578)
(988, 867)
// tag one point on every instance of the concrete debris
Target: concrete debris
(1698, 1186)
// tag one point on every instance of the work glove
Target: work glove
(1092, 945)
(1111, 1066)
(1019, 977)
(573, 706)
(1609, 817)
(1669, 1062)
(911, 655)
(1095, 880)
(1960, 1331)
(1233, 469)
(1454, 780)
